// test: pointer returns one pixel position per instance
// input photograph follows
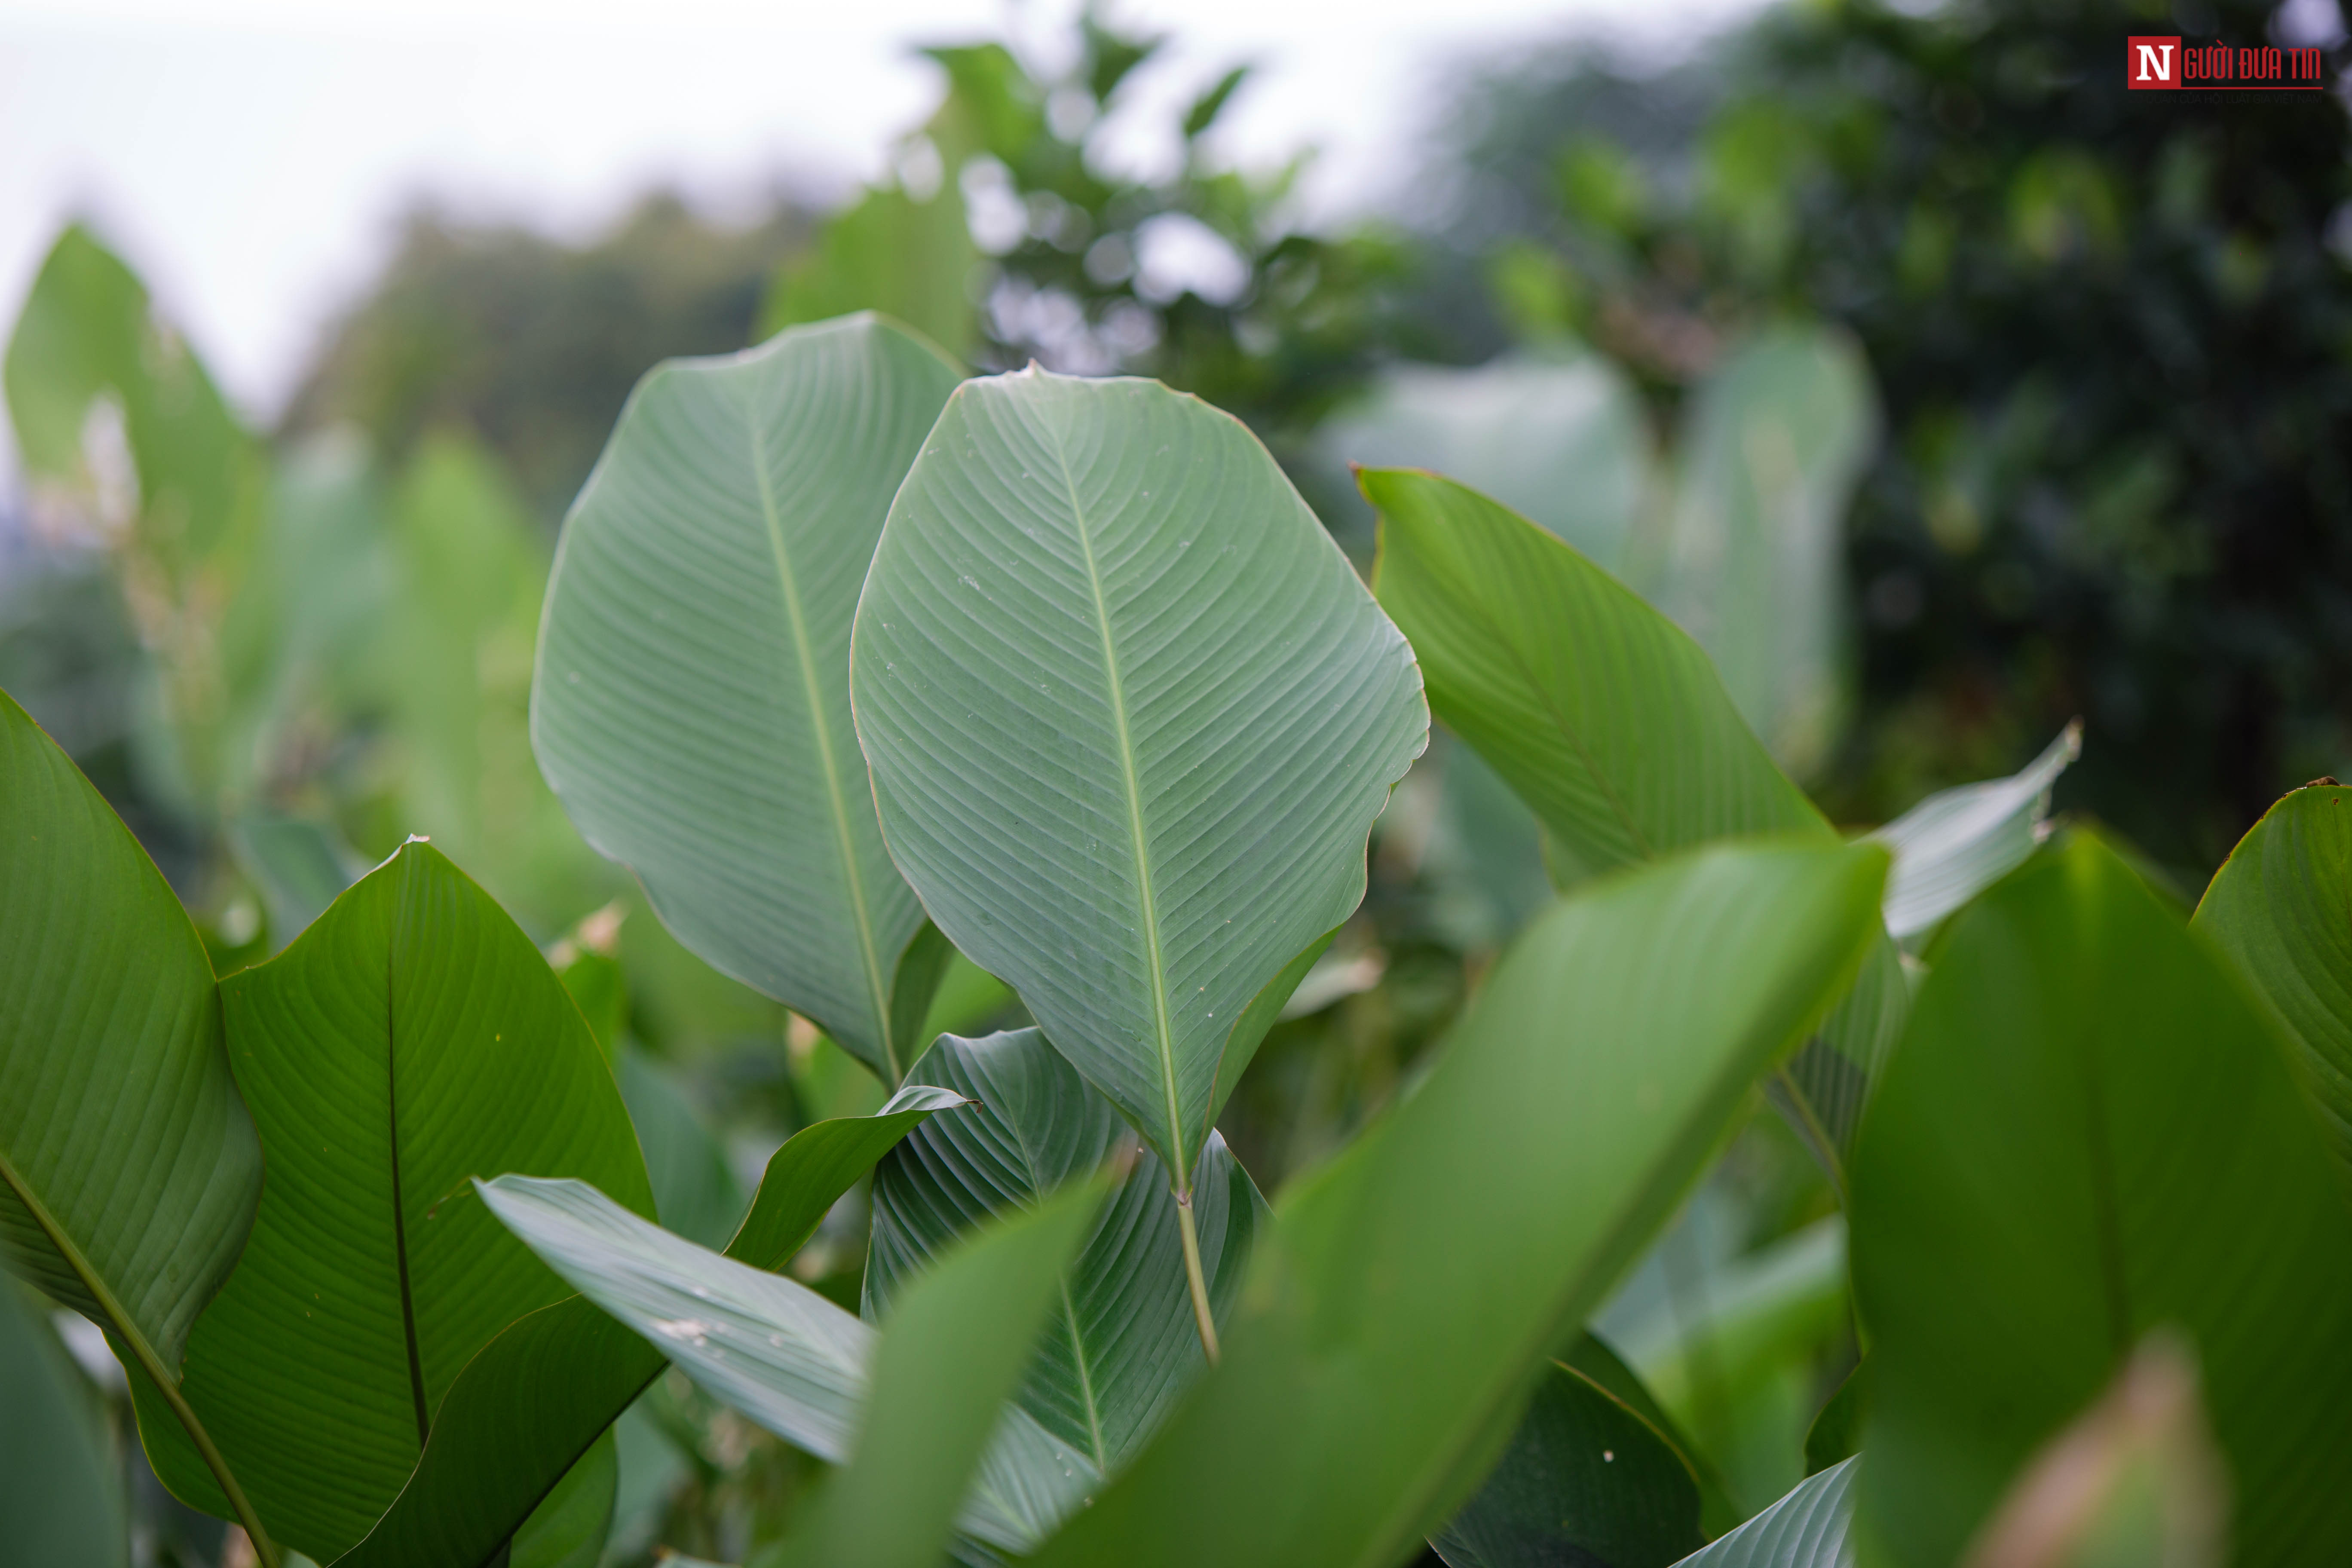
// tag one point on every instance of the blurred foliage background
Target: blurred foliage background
(1942, 388)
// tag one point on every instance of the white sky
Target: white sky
(250, 156)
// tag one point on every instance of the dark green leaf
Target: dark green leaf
(568, 1529)
(525, 1409)
(691, 701)
(1120, 1346)
(1836, 1431)
(129, 1167)
(1136, 818)
(1587, 1481)
(1209, 105)
(2090, 1129)
(1385, 1339)
(2282, 907)
(410, 1039)
(299, 865)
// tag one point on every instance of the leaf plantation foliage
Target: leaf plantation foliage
(856, 664)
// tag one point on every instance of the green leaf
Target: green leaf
(1119, 1347)
(1585, 1480)
(60, 1488)
(1592, 1355)
(1608, 721)
(525, 1408)
(2279, 907)
(412, 1038)
(568, 1529)
(2091, 1130)
(1753, 560)
(953, 1351)
(1561, 441)
(773, 1348)
(1612, 724)
(129, 1167)
(1809, 1527)
(692, 702)
(1387, 1335)
(1958, 842)
(1130, 716)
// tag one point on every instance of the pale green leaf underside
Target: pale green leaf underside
(775, 1350)
(1809, 1527)
(1957, 843)
(411, 1037)
(1130, 716)
(129, 1168)
(692, 702)
(2282, 907)
(1120, 1346)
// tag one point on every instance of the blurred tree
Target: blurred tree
(1201, 276)
(532, 344)
(2112, 333)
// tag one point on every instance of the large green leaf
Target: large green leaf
(2282, 906)
(1587, 1480)
(1130, 716)
(1608, 721)
(1120, 1346)
(2091, 1130)
(524, 1410)
(412, 1038)
(773, 1348)
(567, 1529)
(1612, 725)
(953, 1352)
(129, 1168)
(60, 1486)
(1388, 1332)
(1752, 563)
(692, 702)
(1809, 1527)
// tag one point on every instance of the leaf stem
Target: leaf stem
(149, 1362)
(1193, 1278)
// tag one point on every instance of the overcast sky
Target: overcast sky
(251, 156)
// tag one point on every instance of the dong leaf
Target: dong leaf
(1606, 719)
(1130, 716)
(1586, 1479)
(2282, 907)
(129, 1167)
(1119, 1346)
(952, 1352)
(773, 1348)
(1812, 1527)
(525, 1409)
(692, 702)
(1612, 724)
(1386, 1339)
(412, 1038)
(2091, 1131)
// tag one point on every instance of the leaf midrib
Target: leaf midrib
(1179, 1168)
(788, 584)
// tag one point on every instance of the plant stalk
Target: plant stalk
(1193, 1278)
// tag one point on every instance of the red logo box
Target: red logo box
(2152, 62)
